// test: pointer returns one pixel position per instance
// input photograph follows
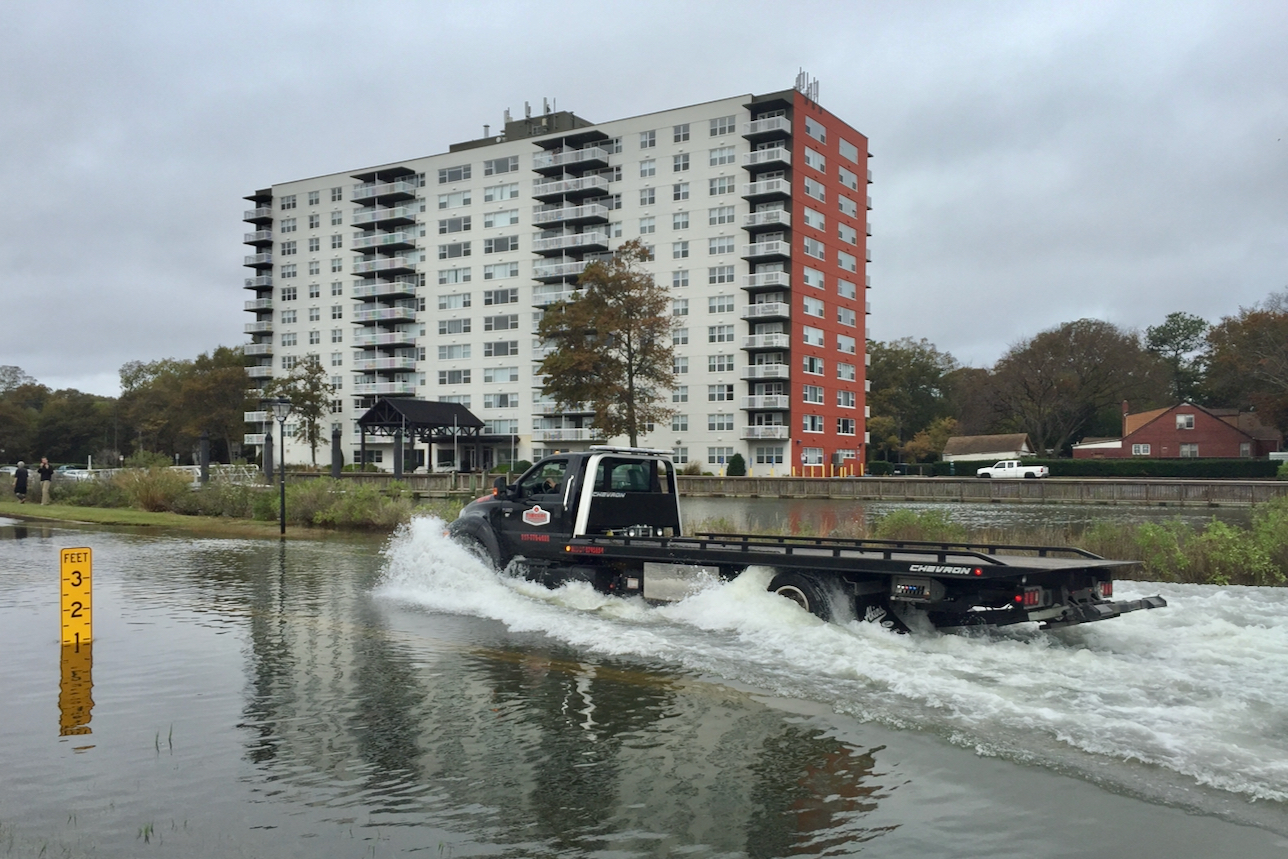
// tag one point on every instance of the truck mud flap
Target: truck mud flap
(1091, 612)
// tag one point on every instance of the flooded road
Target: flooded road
(248, 698)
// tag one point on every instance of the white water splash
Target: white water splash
(1198, 689)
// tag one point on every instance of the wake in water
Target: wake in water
(1196, 693)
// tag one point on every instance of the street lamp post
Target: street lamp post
(281, 407)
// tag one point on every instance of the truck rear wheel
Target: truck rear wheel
(476, 547)
(804, 590)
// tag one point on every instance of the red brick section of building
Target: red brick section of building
(830, 177)
(1188, 431)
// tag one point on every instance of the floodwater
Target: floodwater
(353, 697)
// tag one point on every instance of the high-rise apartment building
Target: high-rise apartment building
(426, 278)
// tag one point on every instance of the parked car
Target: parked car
(1013, 468)
(73, 472)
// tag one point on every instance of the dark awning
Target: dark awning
(421, 419)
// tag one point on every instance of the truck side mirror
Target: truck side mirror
(499, 486)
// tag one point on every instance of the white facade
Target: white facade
(427, 277)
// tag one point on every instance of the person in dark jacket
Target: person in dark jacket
(46, 472)
(20, 482)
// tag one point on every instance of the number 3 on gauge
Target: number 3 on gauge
(77, 605)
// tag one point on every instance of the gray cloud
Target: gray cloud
(1034, 162)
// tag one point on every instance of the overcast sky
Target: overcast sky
(1034, 162)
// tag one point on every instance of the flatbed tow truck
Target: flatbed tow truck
(610, 516)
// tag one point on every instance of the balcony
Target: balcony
(766, 432)
(767, 189)
(379, 215)
(264, 280)
(258, 215)
(384, 265)
(757, 342)
(556, 189)
(543, 298)
(367, 389)
(258, 304)
(259, 237)
(576, 241)
(772, 218)
(869, 202)
(767, 250)
(264, 260)
(564, 435)
(257, 350)
(573, 159)
(588, 213)
(260, 371)
(384, 288)
(766, 280)
(256, 417)
(553, 409)
(767, 403)
(364, 340)
(258, 327)
(767, 310)
(389, 241)
(759, 372)
(371, 365)
(385, 314)
(768, 128)
(559, 269)
(778, 156)
(253, 438)
(383, 192)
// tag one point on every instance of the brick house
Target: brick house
(1185, 431)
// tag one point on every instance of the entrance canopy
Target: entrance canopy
(423, 420)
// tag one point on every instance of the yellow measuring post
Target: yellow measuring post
(77, 602)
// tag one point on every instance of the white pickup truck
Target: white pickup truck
(1013, 468)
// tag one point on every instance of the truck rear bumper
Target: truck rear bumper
(1091, 612)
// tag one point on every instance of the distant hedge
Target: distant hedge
(1205, 469)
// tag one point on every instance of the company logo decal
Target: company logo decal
(938, 568)
(536, 517)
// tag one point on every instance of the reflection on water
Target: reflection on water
(255, 698)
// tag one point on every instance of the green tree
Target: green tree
(612, 345)
(72, 426)
(21, 401)
(928, 444)
(309, 391)
(214, 398)
(1178, 341)
(1246, 361)
(1054, 385)
(151, 404)
(908, 386)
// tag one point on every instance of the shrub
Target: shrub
(1161, 550)
(1282, 471)
(737, 466)
(100, 492)
(921, 525)
(153, 489)
(147, 459)
(880, 468)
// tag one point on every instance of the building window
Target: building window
(453, 174)
(723, 155)
(814, 248)
(648, 196)
(720, 334)
(452, 201)
(288, 202)
(454, 225)
(648, 139)
(679, 250)
(719, 363)
(492, 193)
(720, 245)
(679, 307)
(287, 248)
(813, 365)
(289, 293)
(454, 301)
(501, 296)
(504, 322)
(454, 250)
(847, 206)
(814, 218)
(337, 195)
(337, 219)
(845, 399)
(679, 278)
(721, 185)
(813, 277)
(501, 165)
(680, 364)
(500, 270)
(315, 197)
(847, 261)
(720, 303)
(503, 244)
(315, 291)
(680, 133)
(648, 167)
(848, 179)
(501, 374)
(720, 215)
(680, 337)
(813, 336)
(680, 394)
(847, 317)
(845, 426)
(1185, 422)
(812, 423)
(315, 221)
(846, 372)
(453, 275)
(815, 130)
(1140, 450)
(454, 326)
(1189, 451)
(454, 352)
(337, 241)
(679, 423)
(815, 160)
(680, 163)
(453, 377)
(501, 349)
(813, 394)
(337, 359)
(722, 274)
(288, 339)
(846, 344)
(500, 401)
(846, 289)
(337, 335)
(848, 150)
(1245, 448)
(506, 218)
(648, 225)
(315, 313)
(815, 189)
(680, 221)
(814, 307)
(769, 455)
(680, 191)
(720, 422)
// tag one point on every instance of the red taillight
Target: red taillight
(1029, 598)
(1105, 590)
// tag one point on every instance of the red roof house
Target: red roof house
(1185, 431)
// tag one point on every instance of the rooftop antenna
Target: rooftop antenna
(507, 116)
(807, 86)
(545, 104)
(487, 130)
(527, 111)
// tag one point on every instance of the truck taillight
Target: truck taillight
(1029, 598)
(1105, 590)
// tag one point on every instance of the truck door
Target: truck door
(538, 509)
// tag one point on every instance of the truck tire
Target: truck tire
(804, 590)
(985, 476)
(476, 547)
(1029, 475)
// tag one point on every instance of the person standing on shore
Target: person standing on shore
(46, 472)
(20, 482)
